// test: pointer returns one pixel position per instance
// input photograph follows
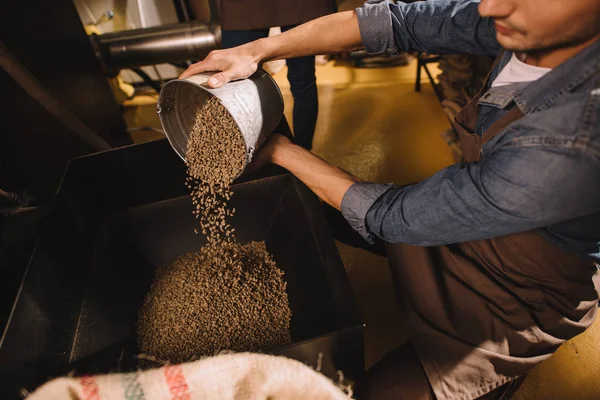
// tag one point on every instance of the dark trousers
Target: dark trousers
(303, 84)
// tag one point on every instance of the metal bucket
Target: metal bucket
(255, 104)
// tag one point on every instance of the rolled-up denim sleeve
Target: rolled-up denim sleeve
(434, 26)
(357, 201)
(519, 188)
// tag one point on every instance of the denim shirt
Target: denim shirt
(541, 173)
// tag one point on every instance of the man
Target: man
(250, 20)
(513, 232)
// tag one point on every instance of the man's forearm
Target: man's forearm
(335, 33)
(327, 181)
(330, 34)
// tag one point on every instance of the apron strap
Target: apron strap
(467, 117)
(471, 143)
(465, 122)
(514, 114)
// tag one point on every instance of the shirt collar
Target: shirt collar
(501, 96)
(542, 93)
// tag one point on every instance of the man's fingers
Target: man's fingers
(231, 64)
(215, 81)
(193, 70)
(219, 79)
(208, 64)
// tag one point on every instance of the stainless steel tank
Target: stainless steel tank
(156, 45)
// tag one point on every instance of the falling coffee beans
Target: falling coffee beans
(216, 155)
(226, 296)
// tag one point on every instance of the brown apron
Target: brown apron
(483, 313)
(263, 14)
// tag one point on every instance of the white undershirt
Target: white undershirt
(516, 71)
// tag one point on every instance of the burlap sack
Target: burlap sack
(242, 376)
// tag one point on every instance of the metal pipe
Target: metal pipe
(156, 45)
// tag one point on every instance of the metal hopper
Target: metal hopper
(120, 213)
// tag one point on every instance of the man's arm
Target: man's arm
(335, 33)
(434, 26)
(515, 189)
(327, 181)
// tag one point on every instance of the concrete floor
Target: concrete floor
(374, 125)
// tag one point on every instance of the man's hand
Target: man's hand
(236, 63)
(267, 151)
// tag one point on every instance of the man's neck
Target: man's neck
(553, 58)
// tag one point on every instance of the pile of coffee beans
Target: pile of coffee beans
(226, 296)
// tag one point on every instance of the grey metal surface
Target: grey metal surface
(255, 104)
(18, 233)
(156, 45)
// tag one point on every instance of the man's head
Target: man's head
(535, 26)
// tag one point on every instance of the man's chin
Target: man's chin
(511, 44)
(519, 44)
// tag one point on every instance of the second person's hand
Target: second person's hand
(267, 151)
